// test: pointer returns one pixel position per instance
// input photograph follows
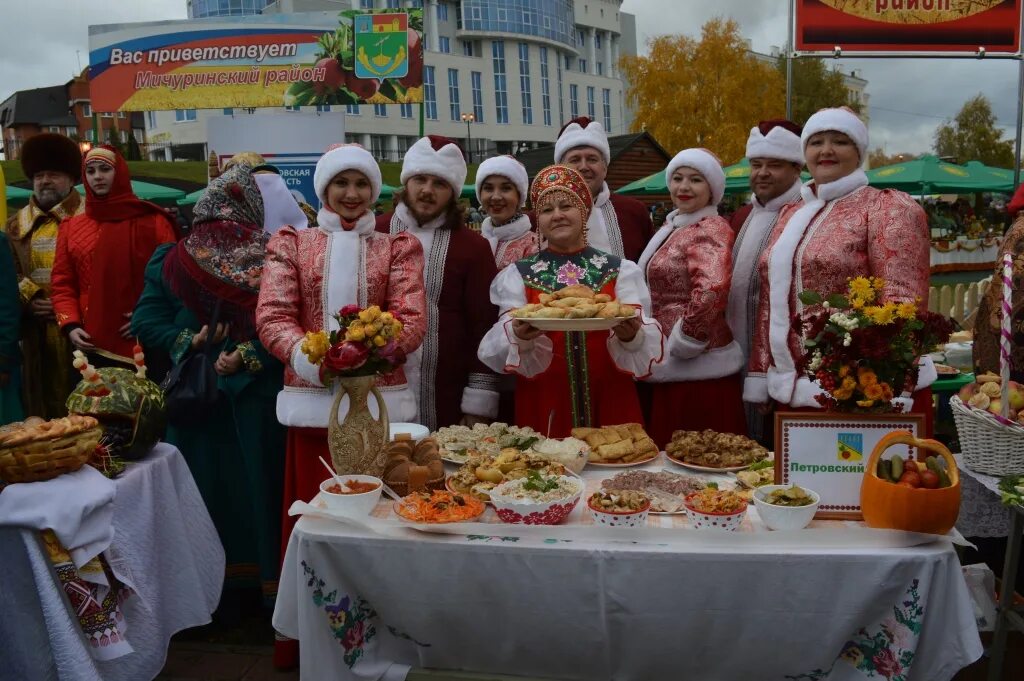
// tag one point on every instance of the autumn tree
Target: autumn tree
(878, 158)
(702, 93)
(815, 86)
(973, 136)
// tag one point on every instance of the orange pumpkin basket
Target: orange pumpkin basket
(887, 505)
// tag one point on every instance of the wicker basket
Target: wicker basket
(46, 459)
(987, 445)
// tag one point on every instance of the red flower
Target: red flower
(392, 353)
(349, 310)
(353, 637)
(886, 663)
(345, 356)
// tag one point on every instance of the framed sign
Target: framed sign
(826, 452)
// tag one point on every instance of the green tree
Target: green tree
(702, 93)
(815, 86)
(973, 136)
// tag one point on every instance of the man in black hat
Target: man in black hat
(54, 164)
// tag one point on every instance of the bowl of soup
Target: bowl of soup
(359, 497)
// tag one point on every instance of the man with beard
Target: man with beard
(618, 224)
(53, 163)
(451, 384)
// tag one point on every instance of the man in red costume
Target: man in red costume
(451, 384)
(101, 259)
(618, 224)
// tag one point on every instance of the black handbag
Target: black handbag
(190, 389)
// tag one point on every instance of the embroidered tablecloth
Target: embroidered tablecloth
(164, 539)
(838, 601)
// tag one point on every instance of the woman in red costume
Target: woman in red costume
(98, 271)
(583, 379)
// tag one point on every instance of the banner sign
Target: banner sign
(826, 452)
(908, 26)
(270, 60)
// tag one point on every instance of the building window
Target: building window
(453, 94)
(430, 92)
(582, 63)
(478, 96)
(561, 97)
(606, 102)
(568, 63)
(392, 4)
(581, 38)
(323, 108)
(527, 18)
(597, 40)
(183, 115)
(591, 109)
(380, 110)
(524, 83)
(467, 49)
(229, 111)
(445, 44)
(365, 4)
(377, 146)
(352, 109)
(551, 20)
(574, 101)
(150, 119)
(442, 11)
(545, 85)
(87, 110)
(600, 68)
(500, 82)
(406, 110)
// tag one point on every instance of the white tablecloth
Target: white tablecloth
(966, 252)
(583, 602)
(163, 536)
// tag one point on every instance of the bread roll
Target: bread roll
(575, 291)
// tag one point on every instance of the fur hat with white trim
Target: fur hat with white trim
(705, 163)
(778, 139)
(842, 120)
(505, 166)
(342, 157)
(582, 132)
(438, 156)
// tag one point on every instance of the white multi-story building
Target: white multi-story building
(521, 68)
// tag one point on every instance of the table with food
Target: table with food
(495, 549)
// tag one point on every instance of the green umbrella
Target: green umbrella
(737, 181)
(190, 199)
(998, 176)
(16, 196)
(929, 175)
(157, 193)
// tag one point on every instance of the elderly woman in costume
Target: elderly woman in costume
(840, 230)
(204, 290)
(583, 379)
(501, 189)
(688, 267)
(101, 259)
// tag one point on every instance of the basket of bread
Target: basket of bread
(574, 308)
(413, 466)
(37, 450)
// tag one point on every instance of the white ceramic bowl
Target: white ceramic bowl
(520, 511)
(784, 517)
(714, 521)
(620, 518)
(351, 504)
(414, 430)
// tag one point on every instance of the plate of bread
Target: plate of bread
(618, 446)
(575, 308)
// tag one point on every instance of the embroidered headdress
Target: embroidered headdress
(564, 180)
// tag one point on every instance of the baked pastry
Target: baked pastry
(413, 467)
(625, 443)
(714, 450)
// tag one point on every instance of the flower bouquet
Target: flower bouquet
(364, 346)
(864, 352)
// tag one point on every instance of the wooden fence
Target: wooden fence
(958, 301)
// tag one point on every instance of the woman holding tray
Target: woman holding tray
(688, 267)
(571, 379)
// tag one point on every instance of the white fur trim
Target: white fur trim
(306, 370)
(304, 408)
(574, 136)
(839, 120)
(478, 402)
(704, 163)
(778, 143)
(504, 166)
(279, 206)
(682, 346)
(448, 163)
(717, 363)
(340, 159)
(755, 389)
(507, 232)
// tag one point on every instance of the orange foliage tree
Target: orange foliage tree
(703, 93)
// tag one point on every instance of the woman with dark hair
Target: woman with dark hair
(451, 386)
(204, 290)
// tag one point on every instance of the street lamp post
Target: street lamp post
(468, 118)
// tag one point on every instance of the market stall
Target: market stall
(964, 254)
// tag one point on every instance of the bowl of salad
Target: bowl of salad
(715, 509)
(786, 507)
(537, 499)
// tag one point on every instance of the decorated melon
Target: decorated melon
(130, 408)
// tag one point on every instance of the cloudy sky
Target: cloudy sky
(45, 44)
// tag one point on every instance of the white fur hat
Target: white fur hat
(582, 132)
(704, 162)
(841, 120)
(436, 155)
(342, 157)
(780, 141)
(505, 166)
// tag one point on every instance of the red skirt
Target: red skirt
(303, 473)
(715, 403)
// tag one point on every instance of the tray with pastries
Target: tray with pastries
(575, 308)
(36, 450)
(627, 444)
(709, 450)
(413, 466)
(483, 472)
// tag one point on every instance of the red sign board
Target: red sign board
(908, 26)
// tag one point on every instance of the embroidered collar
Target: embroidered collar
(549, 272)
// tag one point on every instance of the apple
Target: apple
(364, 88)
(334, 75)
(968, 391)
(1016, 396)
(415, 76)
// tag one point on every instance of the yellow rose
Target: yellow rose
(842, 394)
(387, 318)
(315, 346)
(397, 327)
(355, 333)
(379, 341)
(844, 371)
(873, 391)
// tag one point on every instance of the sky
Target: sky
(909, 97)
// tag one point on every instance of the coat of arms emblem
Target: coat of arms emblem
(381, 45)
